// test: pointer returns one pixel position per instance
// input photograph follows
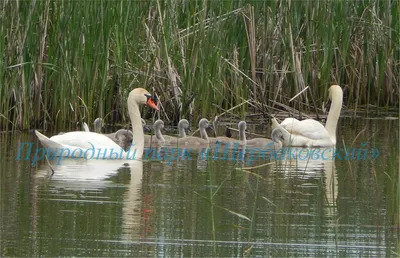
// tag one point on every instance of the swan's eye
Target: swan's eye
(154, 98)
(151, 101)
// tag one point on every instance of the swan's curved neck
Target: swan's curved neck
(137, 129)
(159, 135)
(334, 113)
(242, 135)
(182, 132)
(203, 133)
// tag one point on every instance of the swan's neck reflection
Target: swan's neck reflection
(132, 202)
(86, 175)
(312, 167)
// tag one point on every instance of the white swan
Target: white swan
(309, 132)
(68, 144)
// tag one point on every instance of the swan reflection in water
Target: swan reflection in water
(293, 163)
(80, 175)
(87, 175)
(317, 167)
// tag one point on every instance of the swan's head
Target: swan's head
(158, 125)
(335, 91)
(183, 123)
(277, 135)
(203, 123)
(98, 121)
(142, 96)
(98, 124)
(124, 135)
(242, 126)
(124, 138)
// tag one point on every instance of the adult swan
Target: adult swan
(68, 144)
(311, 133)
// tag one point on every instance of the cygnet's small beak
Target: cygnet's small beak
(211, 127)
(189, 130)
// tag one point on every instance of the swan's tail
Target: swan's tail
(85, 127)
(46, 142)
(41, 137)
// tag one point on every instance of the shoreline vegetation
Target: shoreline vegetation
(68, 62)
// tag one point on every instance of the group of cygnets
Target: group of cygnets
(123, 137)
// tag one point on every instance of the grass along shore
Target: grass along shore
(64, 62)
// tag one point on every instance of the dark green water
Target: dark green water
(198, 207)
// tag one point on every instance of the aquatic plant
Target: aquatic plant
(65, 62)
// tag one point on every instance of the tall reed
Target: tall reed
(62, 62)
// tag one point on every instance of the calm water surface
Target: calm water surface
(205, 207)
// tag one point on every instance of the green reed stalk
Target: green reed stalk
(57, 55)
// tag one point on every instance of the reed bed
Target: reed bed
(64, 62)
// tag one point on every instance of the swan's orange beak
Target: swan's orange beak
(151, 102)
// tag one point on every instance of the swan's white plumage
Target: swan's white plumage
(75, 139)
(308, 128)
(309, 132)
(104, 146)
(96, 146)
(289, 122)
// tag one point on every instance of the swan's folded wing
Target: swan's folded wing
(308, 128)
(46, 142)
(85, 140)
(57, 148)
(290, 121)
(287, 123)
